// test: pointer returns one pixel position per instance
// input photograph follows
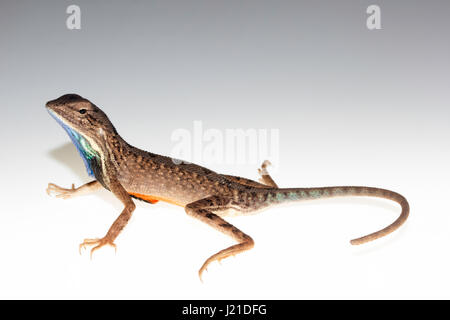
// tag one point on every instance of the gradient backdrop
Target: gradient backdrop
(352, 106)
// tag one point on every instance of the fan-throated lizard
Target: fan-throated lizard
(129, 172)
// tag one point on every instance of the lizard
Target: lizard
(131, 173)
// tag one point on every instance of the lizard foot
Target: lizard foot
(59, 192)
(263, 170)
(217, 257)
(265, 176)
(98, 243)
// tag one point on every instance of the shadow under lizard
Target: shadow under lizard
(129, 172)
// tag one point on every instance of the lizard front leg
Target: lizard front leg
(70, 193)
(119, 191)
(203, 210)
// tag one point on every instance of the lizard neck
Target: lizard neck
(110, 149)
(96, 151)
(84, 147)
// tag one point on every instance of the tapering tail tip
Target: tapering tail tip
(356, 242)
(390, 228)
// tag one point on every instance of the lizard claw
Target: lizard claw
(98, 243)
(58, 192)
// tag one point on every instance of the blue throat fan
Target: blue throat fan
(84, 148)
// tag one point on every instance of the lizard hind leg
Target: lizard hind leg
(203, 210)
(265, 176)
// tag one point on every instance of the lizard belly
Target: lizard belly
(155, 199)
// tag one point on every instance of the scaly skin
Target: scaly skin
(129, 172)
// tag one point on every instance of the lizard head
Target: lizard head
(80, 115)
(87, 125)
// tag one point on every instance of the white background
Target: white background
(353, 107)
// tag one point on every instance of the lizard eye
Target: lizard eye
(82, 111)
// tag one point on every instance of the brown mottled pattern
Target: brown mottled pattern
(128, 171)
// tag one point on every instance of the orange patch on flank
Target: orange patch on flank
(154, 199)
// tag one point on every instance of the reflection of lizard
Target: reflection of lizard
(129, 173)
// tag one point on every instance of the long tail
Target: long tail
(296, 194)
